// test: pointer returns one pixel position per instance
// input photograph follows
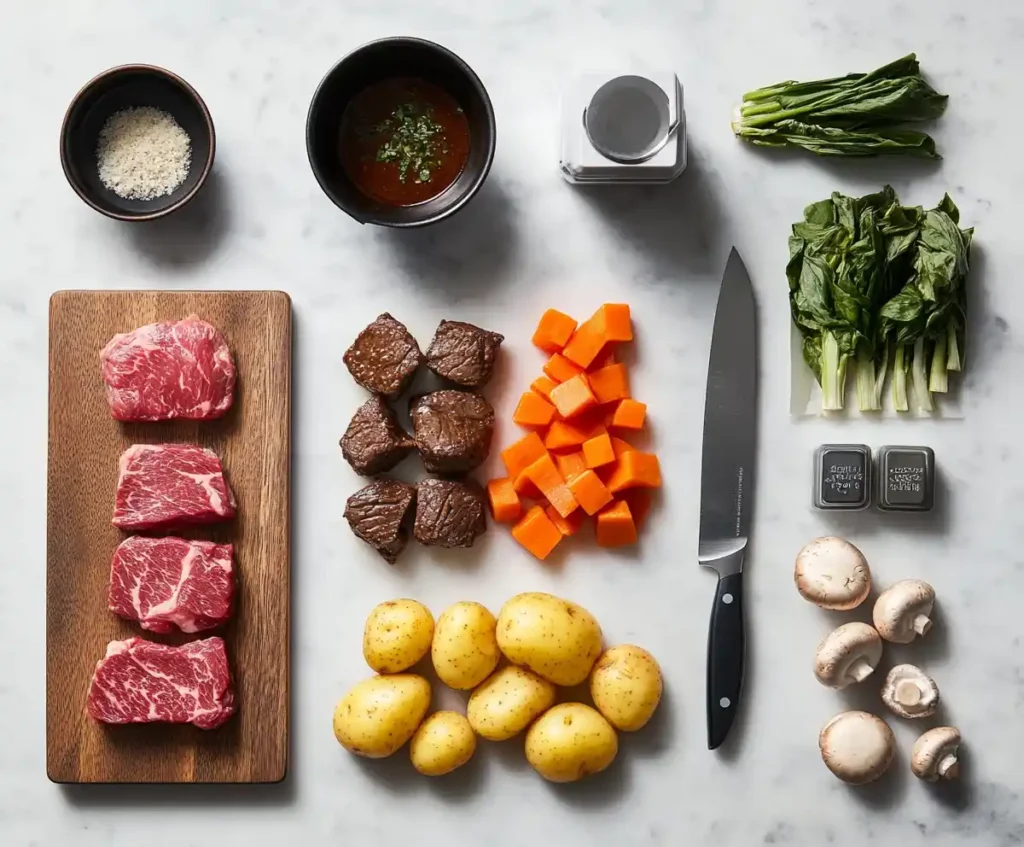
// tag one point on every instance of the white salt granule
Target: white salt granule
(143, 153)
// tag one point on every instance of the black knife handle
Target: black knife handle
(725, 657)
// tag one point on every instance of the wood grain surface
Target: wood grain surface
(253, 441)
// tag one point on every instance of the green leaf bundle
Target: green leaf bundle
(854, 115)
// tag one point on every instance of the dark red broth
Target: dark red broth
(403, 141)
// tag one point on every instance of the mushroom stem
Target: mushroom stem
(949, 766)
(922, 623)
(908, 693)
(860, 669)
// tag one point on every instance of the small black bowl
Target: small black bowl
(386, 59)
(120, 88)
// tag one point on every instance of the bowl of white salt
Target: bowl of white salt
(137, 142)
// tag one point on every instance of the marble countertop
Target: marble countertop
(530, 241)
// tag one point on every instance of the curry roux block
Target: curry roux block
(463, 353)
(452, 429)
(374, 441)
(379, 514)
(449, 513)
(384, 357)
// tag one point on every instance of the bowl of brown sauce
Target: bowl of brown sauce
(400, 133)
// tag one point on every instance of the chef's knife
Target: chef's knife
(727, 487)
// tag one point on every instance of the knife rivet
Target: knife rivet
(727, 599)
(725, 702)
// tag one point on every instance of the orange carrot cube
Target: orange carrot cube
(609, 383)
(524, 452)
(635, 470)
(549, 482)
(505, 505)
(525, 487)
(559, 368)
(590, 492)
(573, 396)
(598, 451)
(533, 410)
(569, 525)
(615, 323)
(620, 446)
(536, 532)
(585, 345)
(615, 527)
(629, 414)
(543, 385)
(570, 464)
(553, 331)
(639, 502)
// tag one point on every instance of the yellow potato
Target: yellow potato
(626, 686)
(554, 638)
(397, 635)
(381, 713)
(570, 741)
(464, 651)
(444, 742)
(507, 702)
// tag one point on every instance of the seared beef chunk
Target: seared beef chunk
(374, 441)
(463, 353)
(452, 430)
(384, 357)
(379, 514)
(449, 513)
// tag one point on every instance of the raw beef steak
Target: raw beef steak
(452, 430)
(449, 513)
(384, 357)
(463, 353)
(162, 485)
(139, 681)
(172, 369)
(165, 583)
(379, 514)
(374, 441)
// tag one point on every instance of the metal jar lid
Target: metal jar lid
(628, 119)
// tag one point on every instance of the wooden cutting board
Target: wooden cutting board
(253, 441)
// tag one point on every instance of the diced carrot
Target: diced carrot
(569, 525)
(543, 385)
(536, 532)
(615, 323)
(570, 464)
(505, 505)
(629, 414)
(525, 487)
(598, 451)
(524, 452)
(607, 357)
(573, 396)
(553, 331)
(549, 482)
(533, 410)
(590, 492)
(609, 383)
(585, 345)
(615, 527)
(608, 324)
(563, 434)
(635, 470)
(560, 368)
(639, 501)
(620, 446)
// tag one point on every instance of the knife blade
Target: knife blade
(727, 487)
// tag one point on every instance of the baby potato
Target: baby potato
(464, 651)
(554, 638)
(444, 742)
(626, 686)
(507, 702)
(570, 741)
(379, 714)
(397, 635)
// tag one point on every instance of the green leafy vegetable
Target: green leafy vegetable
(853, 115)
(866, 274)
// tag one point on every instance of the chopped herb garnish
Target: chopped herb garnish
(415, 141)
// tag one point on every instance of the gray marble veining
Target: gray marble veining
(528, 242)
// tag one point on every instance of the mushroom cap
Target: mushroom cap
(934, 755)
(902, 606)
(830, 572)
(909, 692)
(857, 747)
(848, 654)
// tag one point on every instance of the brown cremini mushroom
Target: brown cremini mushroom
(857, 747)
(910, 693)
(830, 572)
(935, 754)
(902, 611)
(847, 655)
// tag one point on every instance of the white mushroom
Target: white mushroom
(832, 573)
(857, 747)
(901, 611)
(934, 755)
(847, 655)
(910, 692)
